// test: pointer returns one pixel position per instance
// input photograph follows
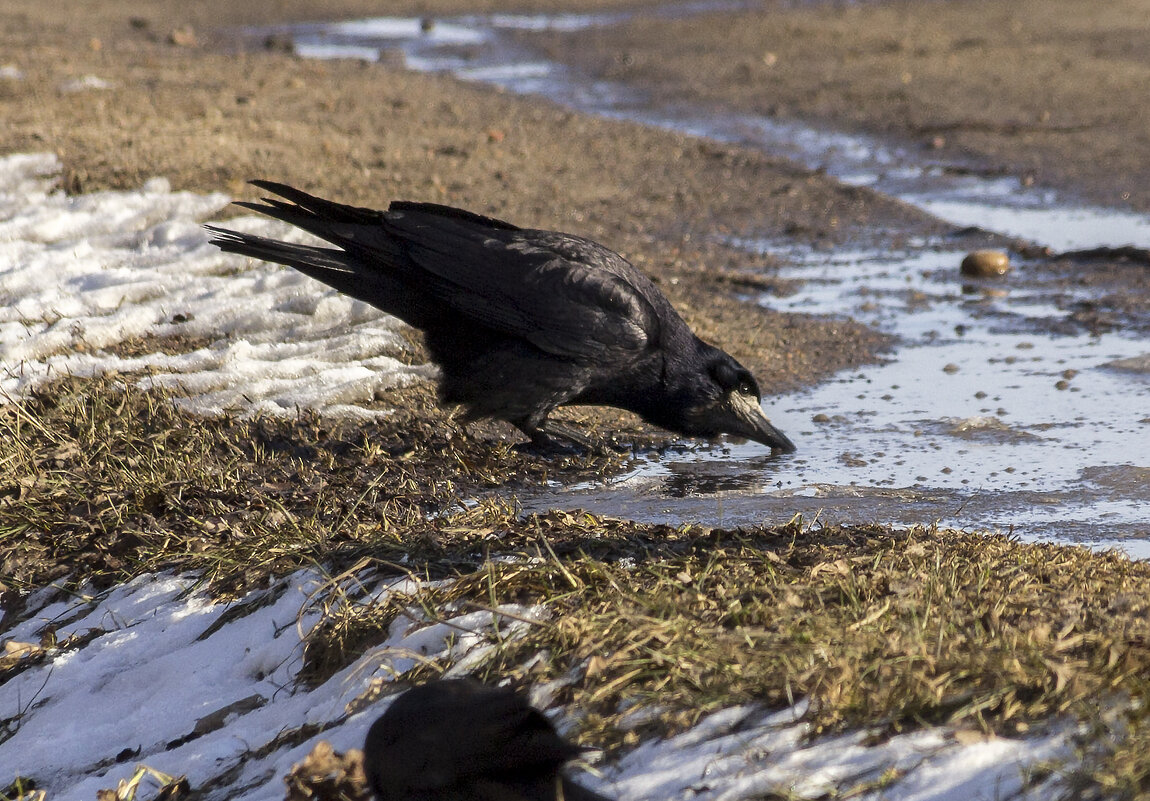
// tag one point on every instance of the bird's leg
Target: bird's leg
(543, 444)
(552, 437)
(554, 428)
(546, 435)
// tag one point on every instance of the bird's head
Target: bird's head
(722, 397)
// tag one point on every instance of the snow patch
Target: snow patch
(82, 275)
(159, 663)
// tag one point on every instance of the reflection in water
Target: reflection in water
(714, 476)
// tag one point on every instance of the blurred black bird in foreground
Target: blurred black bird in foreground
(519, 321)
(459, 740)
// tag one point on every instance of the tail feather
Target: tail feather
(327, 209)
(301, 257)
(336, 268)
(339, 233)
(361, 232)
(371, 259)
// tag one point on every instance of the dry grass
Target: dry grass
(100, 481)
(876, 627)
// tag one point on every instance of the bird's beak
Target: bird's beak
(754, 425)
(769, 435)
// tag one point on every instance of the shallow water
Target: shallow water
(994, 412)
(981, 419)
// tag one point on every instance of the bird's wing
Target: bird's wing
(566, 295)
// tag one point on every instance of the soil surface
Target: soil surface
(178, 101)
(1053, 91)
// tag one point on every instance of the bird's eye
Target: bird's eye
(745, 388)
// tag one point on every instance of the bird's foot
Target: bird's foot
(553, 438)
(542, 444)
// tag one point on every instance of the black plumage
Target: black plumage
(460, 740)
(520, 321)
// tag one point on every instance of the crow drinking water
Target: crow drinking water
(519, 321)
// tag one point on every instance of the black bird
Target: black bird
(459, 740)
(519, 321)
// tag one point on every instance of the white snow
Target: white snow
(149, 674)
(743, 753)
(85, 83)
(80, 275)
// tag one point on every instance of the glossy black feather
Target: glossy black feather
(520, 321)
(458, 739)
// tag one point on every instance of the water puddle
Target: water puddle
(996, 411)
(982, 419)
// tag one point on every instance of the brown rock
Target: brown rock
(985, 264)
(184, 36)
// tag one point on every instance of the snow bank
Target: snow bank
(81, 275)
(160, 660)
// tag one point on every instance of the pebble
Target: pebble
(985, 264)
(184, 36)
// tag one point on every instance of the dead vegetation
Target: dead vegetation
(100, 481)
(877, 628)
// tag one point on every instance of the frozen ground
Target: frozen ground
(161, 680)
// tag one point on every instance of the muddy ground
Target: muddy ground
(180, 102)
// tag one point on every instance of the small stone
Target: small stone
(985, 264)
(950, 368)
(821, 418)
(1062, 384)
(184, 36)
